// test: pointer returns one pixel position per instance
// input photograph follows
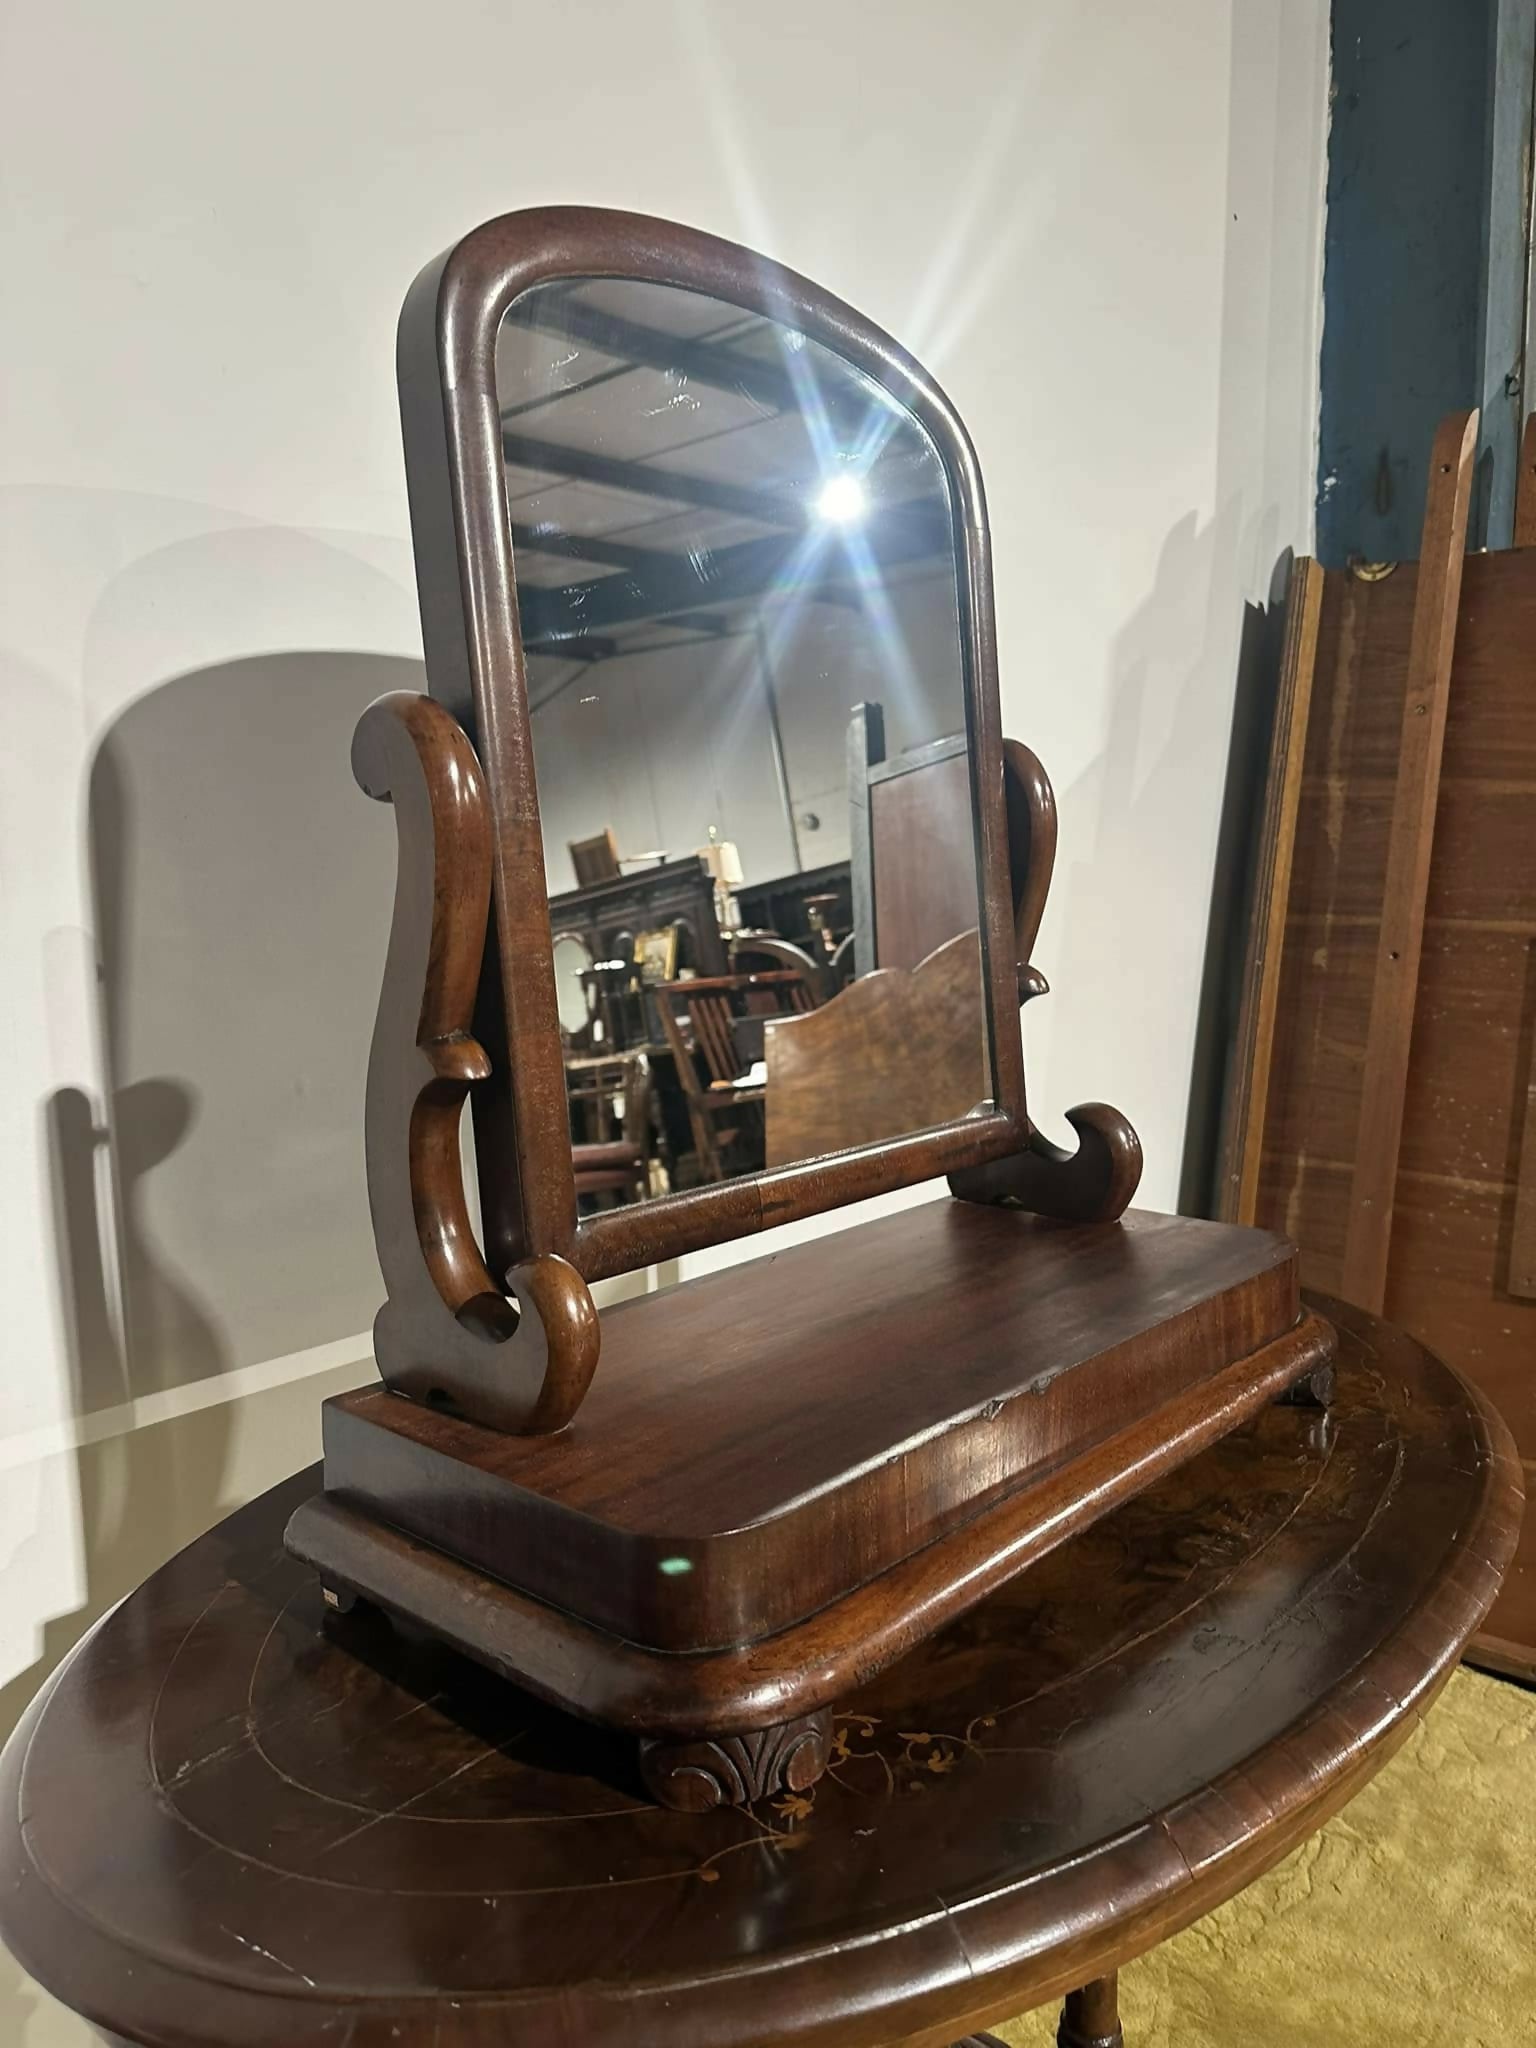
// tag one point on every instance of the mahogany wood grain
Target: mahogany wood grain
(519, 1354)
(1368, 1234)
(760, 1685)
(248, 1826)
(894, 1051)
(1007, 1346)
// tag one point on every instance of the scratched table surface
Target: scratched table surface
(230, 1820)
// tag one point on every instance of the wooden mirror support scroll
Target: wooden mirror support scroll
(718, 893)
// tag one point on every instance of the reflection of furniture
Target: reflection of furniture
(700, 1019)
(575, 986)
(1108, 1748)
(607, 1163)
(912, 841)
(892, 1052)
(803, 907)
(608, 916)
(595, 860)
(753, 947)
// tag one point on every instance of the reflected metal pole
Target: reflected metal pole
(776, 736)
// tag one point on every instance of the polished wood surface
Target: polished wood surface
(894, 1051)
(757, 1689)
(521, 1353)
(773, 1470)
(1410, 844)
(247, 1827)
(464, 546)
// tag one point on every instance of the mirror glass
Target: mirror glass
(736, 562)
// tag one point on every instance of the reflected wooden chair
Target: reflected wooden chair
(749, 947)
(701, 1018)
(608, 1165)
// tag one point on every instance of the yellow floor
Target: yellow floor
(1409, 1922)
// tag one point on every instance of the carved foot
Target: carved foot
(1091, 1185)
(1091, 2017)
(1315, 1391)
(693, 1774)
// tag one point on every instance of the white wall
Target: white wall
(1098, 221)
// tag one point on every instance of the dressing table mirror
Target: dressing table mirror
(718, 889)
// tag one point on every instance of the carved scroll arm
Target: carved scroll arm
(1095, 1183)
(516, 1357)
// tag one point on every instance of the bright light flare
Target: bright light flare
(843, 500)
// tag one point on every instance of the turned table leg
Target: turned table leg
(1091, 2017)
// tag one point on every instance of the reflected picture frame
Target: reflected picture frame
(467, 582)
(656, 955)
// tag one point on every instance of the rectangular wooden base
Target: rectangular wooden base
(771, 1681)
(788, 1472)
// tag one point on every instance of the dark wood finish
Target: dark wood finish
(1031, 805)
(1095, 1182)
(1091, 1184)
(447, 1330)
(751, 1567)
(1400, 938)
(1457, 1196)
(596, 859)
(247, 1827)
(912, 858)
(1092, 2016)
(692, 1776)
(608, 914)
(803, 907)
(923, 852)
(470, 621)
(760, 946)
(892, 1052)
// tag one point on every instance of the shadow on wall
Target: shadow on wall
(212, 1213)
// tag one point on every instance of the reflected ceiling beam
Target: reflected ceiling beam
(583, 649)
(728, 576)
(612, 554)
(645, 480)
(693, 358)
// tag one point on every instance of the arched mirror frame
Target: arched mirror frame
(466, 575)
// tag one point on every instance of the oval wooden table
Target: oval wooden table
(243, 1826)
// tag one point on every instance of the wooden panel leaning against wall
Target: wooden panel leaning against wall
(1381, 1109)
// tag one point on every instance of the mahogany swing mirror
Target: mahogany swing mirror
(718, 888)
